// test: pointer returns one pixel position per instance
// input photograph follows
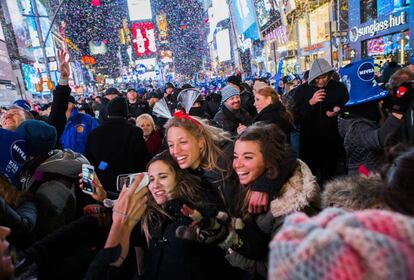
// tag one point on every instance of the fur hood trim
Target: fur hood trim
(356, 192)
(298, 192)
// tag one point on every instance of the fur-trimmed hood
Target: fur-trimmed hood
(298, 192)
(356, 192)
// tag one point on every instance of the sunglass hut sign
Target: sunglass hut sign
(392, 21)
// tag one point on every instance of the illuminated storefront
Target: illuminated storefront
(382, 32)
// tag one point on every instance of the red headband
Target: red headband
(182, 115)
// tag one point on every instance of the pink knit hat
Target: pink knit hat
(370, 244)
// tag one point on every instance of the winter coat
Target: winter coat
(154, 143)
(364, 140)
(21, 220)
(300, 192)
(229, 120)
(76, 130)
(271, 114)
(57, 116)
(212, 104)
(138, 108)
(115, 148)
(169, 257)
(103, 110)
(354, 192)
(319, 139)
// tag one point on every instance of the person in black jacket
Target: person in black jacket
(271, 110)
(316, 105)
(232, 117)
(136, 106)
(109, 94)
(116, 147)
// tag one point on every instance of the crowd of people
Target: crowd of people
(309, 180)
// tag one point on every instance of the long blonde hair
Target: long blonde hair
(212, 136)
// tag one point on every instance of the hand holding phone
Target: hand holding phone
(88, 174)
(127, 179)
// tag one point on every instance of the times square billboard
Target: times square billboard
(139, 10)
(144, 38)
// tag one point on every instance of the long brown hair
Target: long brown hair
(270, 92)
(187, 189)
(272, 143)
(212, 136)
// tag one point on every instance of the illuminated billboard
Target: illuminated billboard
(267, 13)
(144, 38)
(223, 45)
(139, 10)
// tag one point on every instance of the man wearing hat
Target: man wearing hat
(136, 106)
(116, 147)
(231, 116)
(246, 96)
(17, 113)
(109, 94)
(170, 96)
(316, 105)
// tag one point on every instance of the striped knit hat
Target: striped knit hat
(370, 244)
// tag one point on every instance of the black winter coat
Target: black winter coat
(319, 133)
(229, 121)
(138, 108)
(121, 146)
(271, 114)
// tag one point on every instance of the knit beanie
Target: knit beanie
(118, 107)
(40, 137)
(228, 92)
(235, 80)
(370, 244)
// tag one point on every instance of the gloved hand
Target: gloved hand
(203, 229)
(401, 97)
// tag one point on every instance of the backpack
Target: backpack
(54, 182)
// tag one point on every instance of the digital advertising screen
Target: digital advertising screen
(144, 38)
(243, 11)
(223, 45)
(97, 47)
(375, 46)
(267, 13)
(139, 10)
(318, 18)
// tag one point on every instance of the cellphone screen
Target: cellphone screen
(87, 178)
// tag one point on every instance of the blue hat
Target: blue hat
(228, 92)
(23, 104)
(412, 59)
(40, 137)
(358, 77)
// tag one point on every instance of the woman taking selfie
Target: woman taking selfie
(172, 190)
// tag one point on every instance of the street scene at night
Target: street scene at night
(206, 139)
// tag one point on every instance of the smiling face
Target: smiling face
(184, 147)
(146, 127)
(12, 118)
(261, 101)
(233, 103)
(248, 161)
(162, 181)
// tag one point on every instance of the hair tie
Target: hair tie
(182, 115)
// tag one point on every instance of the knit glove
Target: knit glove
(401, 97)
(203, 229)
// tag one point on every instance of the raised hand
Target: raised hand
(63, 58)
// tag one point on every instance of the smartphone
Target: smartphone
(88, 174)
(127, 179)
